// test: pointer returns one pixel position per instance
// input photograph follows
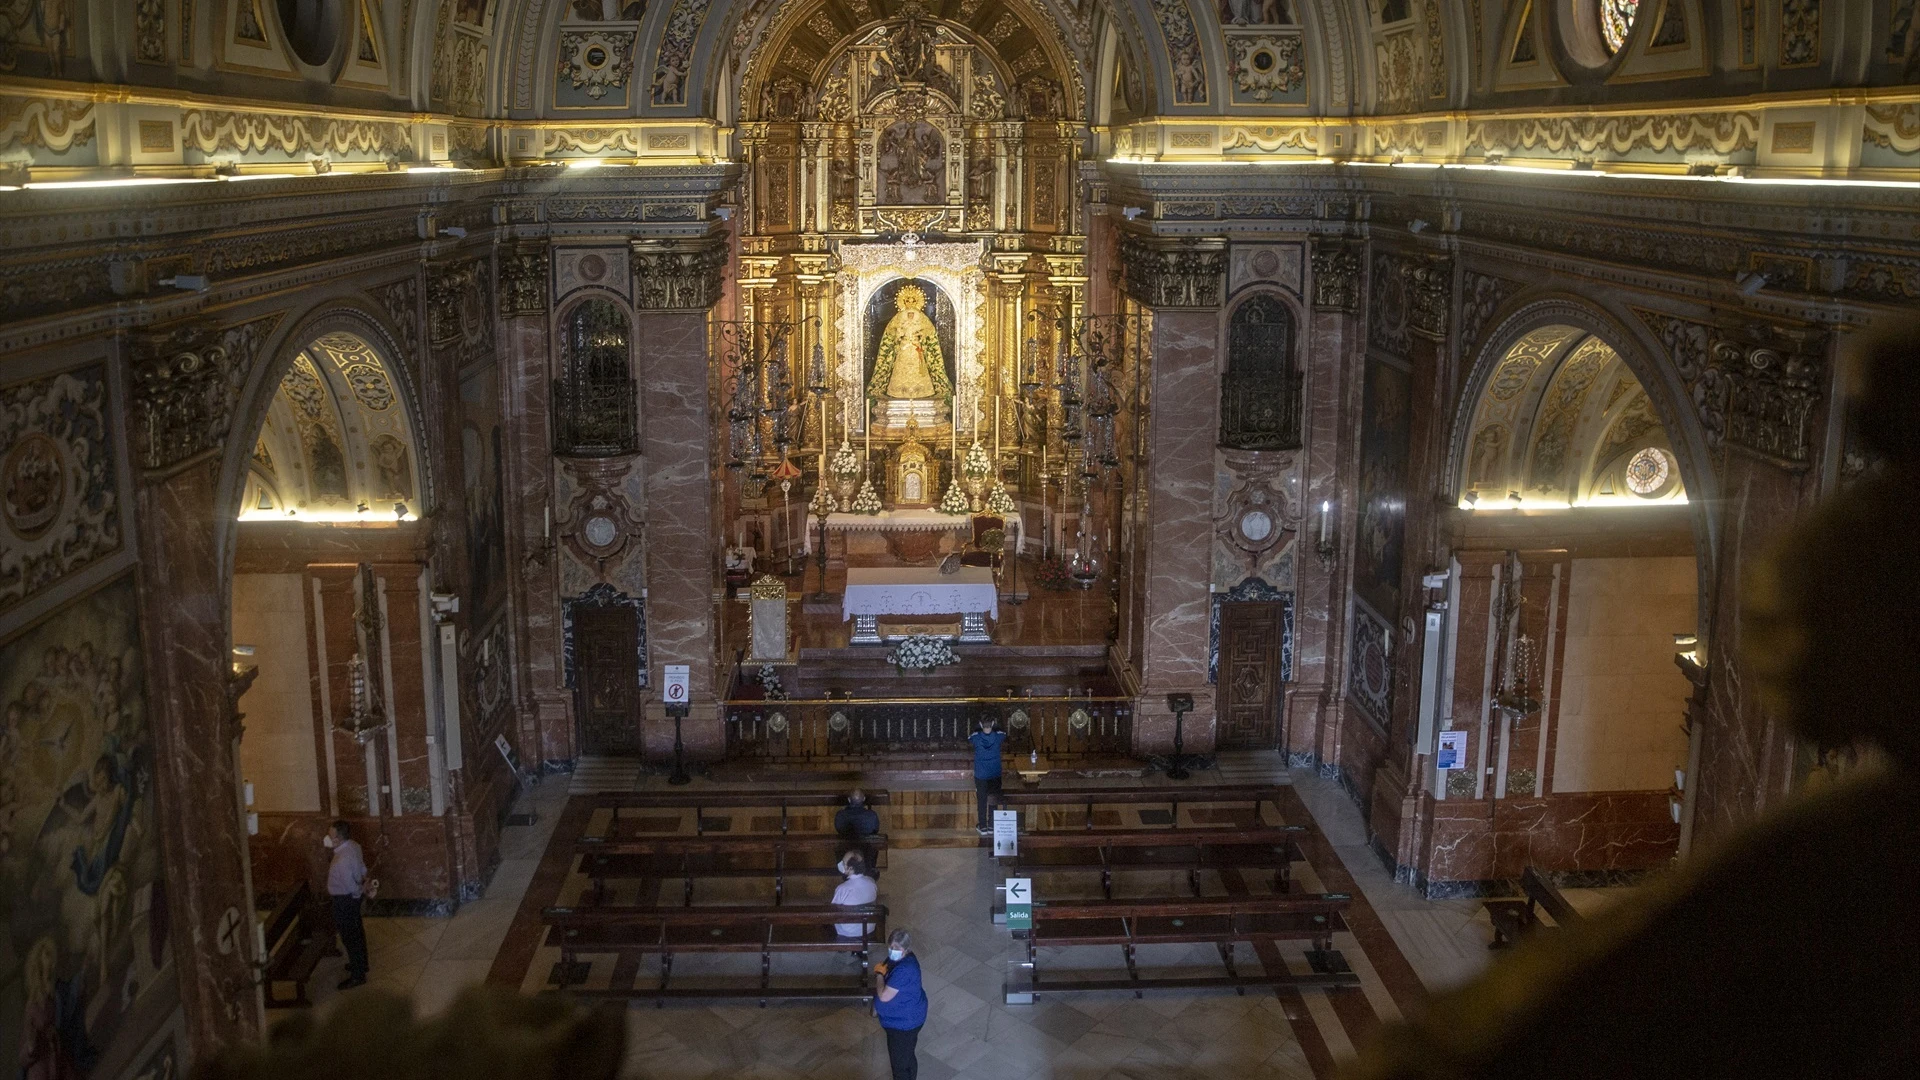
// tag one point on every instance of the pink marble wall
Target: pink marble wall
(1315, 707)
(1485, 839)
(544, 721)
(1182, 428)
(676, 441)
(409, 855)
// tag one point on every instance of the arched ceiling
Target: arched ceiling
(337, 437)
(1562, 421)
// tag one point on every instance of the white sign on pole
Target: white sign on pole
(1019, 903)
(1453, 750)
(1006, 833)
(679, 680)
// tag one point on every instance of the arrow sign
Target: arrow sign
(1019, 903)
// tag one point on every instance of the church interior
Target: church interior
(571, 444)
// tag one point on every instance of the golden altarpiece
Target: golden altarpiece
(910, 239)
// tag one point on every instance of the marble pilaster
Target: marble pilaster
(1331, 392)
(545, 720)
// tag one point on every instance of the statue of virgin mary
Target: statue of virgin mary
(910, 365)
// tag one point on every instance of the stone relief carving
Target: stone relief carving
(1482, 296)
(1264, 65)
(1754, 389)
(1720, 132)
(58, 124)
(150, 31)
(457, 308)
(220, 131)
(1336, 275)
(401, 300)
(523, 282)
(677, 277)
(59, 499)
(596, 61)
(676, 51)
(185, 385)
(1188, 274)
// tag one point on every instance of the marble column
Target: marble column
(1181, 285)
(676, 283)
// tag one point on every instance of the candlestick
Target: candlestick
(996, 434)
(868, 417)
(546, 525)
(1326, 523)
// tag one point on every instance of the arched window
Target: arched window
(1260, 393)
(594, 399)
(1616, 20)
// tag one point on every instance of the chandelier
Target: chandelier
(765, 410)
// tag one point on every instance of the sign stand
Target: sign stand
(675, 695)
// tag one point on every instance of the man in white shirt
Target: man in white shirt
(858, 890)
(346, 878)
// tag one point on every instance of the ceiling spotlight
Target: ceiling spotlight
(1473, 499)
(362, 507)
(454, 231)
(1750, 282)
(1417, 225)
(400, 511)
(186, 282)
(724, 213)
(1132, 212)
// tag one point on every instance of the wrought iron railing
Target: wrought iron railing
(800, 730)
(594, 417)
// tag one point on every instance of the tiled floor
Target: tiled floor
(1398, 943)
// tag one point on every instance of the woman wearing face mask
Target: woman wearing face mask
(900, 1002)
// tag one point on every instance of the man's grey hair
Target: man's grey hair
(856, 797)
(898, 939)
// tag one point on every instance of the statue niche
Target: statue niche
(912, 165)
(910, 380)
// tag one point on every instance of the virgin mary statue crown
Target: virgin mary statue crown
(911, 298)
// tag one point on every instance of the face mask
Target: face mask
(896, 954)
(327, 841)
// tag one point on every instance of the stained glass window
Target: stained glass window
(1616, 18)
(1648, 471)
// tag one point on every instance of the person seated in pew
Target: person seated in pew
(855, 822)
(858, 890)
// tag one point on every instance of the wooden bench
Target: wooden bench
(1089, 797)
(1269, 847)
(768, 855)
(1513, 918)
(729, 799)
(667, 931)
(1221, 922)
(297, 940)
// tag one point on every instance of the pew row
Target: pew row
(1109, 851)
(688, 858)
(729, 799)
(1513, 918)
(1254, 795)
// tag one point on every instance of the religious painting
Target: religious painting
(59, 497)
(481, 464)
(912, 165)
(1370, 664)
(86, 975)
(1381, 531)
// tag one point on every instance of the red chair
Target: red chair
(989, 545)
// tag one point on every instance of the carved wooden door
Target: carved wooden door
(607, 680)
(1248, 691)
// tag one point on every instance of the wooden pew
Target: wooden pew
(668, 931)
(1512, 918)
(1270, 847)
(297, 940)
(1222, 922)
(729, 799)
(768, 855)
(1173, 797)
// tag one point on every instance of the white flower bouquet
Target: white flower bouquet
(922, 652)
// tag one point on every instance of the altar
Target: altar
(873, 592)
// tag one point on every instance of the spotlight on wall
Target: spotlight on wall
(186, 282)
(1417, 225)
(1750, 282)
(1472, 500)
(1132, 212)
(724, 213)
(454, 231)
(400, 511)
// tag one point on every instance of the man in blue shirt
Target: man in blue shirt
(986, 769)
(900, 1001)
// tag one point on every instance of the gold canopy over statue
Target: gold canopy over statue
(910, 365)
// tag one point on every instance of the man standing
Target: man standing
(346, 876)
(986, 769)
(900, 1001)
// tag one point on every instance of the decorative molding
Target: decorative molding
(1754, 389)
(213, 132)
(401, 300)
(677, 275)
(523, 281)
(595, 61)
(1265, 65)
(1481, 296)
(59, 498)
(185, 385)
(1182, 274)
(457, 309)
(1720, 132)
(601, 595)
(1336, 274)
(1252, 589)
(1896, 127)
(57, 124)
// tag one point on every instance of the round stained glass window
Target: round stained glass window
(1647, 473)
(1616, 20)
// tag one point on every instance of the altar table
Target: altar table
(875, 591)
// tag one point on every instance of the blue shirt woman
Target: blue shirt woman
(901, 1005)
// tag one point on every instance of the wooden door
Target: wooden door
(607, 680)
(1248, 688)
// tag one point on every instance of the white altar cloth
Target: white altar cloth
(874, 591)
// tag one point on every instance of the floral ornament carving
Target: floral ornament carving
(212, 131)
(1183, 47)
(1184, 275)
(523, 282)
(1430, 287)
(58, 124)
(1336, 275)
(1483, 295)
(677, 277)
(150, 31)
(457, 308)
(185, 385)
(1720, 132)
(1756, 389)
(676, 51)
(596, 61)
(1265, 65)
(59, 501)
(401, 300)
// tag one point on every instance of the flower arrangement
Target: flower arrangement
(1052, 576)
(868, 501)
(1000, 503)
(845, 461)
(922, 652)
(954, 501)
(769, 679)
(976, 465)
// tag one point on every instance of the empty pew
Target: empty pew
(1254, 795)
(729, 799)
(1512, 918)
(688, 858)
(1270, 847)
(297, 938)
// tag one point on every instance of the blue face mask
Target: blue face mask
(896, 954)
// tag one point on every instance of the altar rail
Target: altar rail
(801, 730)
